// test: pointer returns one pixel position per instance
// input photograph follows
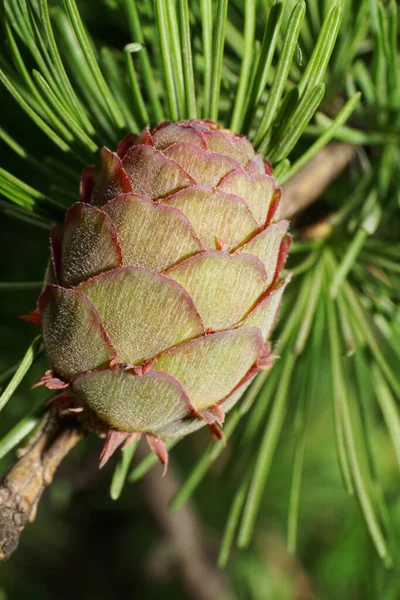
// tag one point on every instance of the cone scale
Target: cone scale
(164, 283)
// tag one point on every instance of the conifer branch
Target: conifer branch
(23, 485)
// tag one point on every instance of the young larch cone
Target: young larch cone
(163, 284)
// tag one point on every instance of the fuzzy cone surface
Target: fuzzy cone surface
(163, 284)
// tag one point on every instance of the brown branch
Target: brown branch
(202, 580)
(311, 181)
(22, 487)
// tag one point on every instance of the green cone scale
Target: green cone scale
(164, 282)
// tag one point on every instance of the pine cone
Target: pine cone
(164, 283)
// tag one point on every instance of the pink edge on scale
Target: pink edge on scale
(198, 364)
(260, 364)
(87, 183)
(90, 245)
(236, 147)
(132, 139)
(161, 126)
(268, 167)
(114, 439)
(273, 207)
(214, 213)
(44, 299)
(264, 313)
(282, 256)
(179, 322)
(158, 447)
(269, 292)
(33, 317)
(266, 245)
(153, 174)
(255, 165)
(142, 369)
(257, 191)
(207, 168)
(56, 304)
(212, 414)
(134, 403)
(50, 381)
(162, 234)
(111, 179)
(78, 212)
(222, 286)
(216, 433)
(170, 133)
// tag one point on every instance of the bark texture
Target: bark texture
(23, 485)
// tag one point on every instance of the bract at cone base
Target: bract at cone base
(164, 282)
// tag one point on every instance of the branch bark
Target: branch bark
(23, 485)
(311, 181)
